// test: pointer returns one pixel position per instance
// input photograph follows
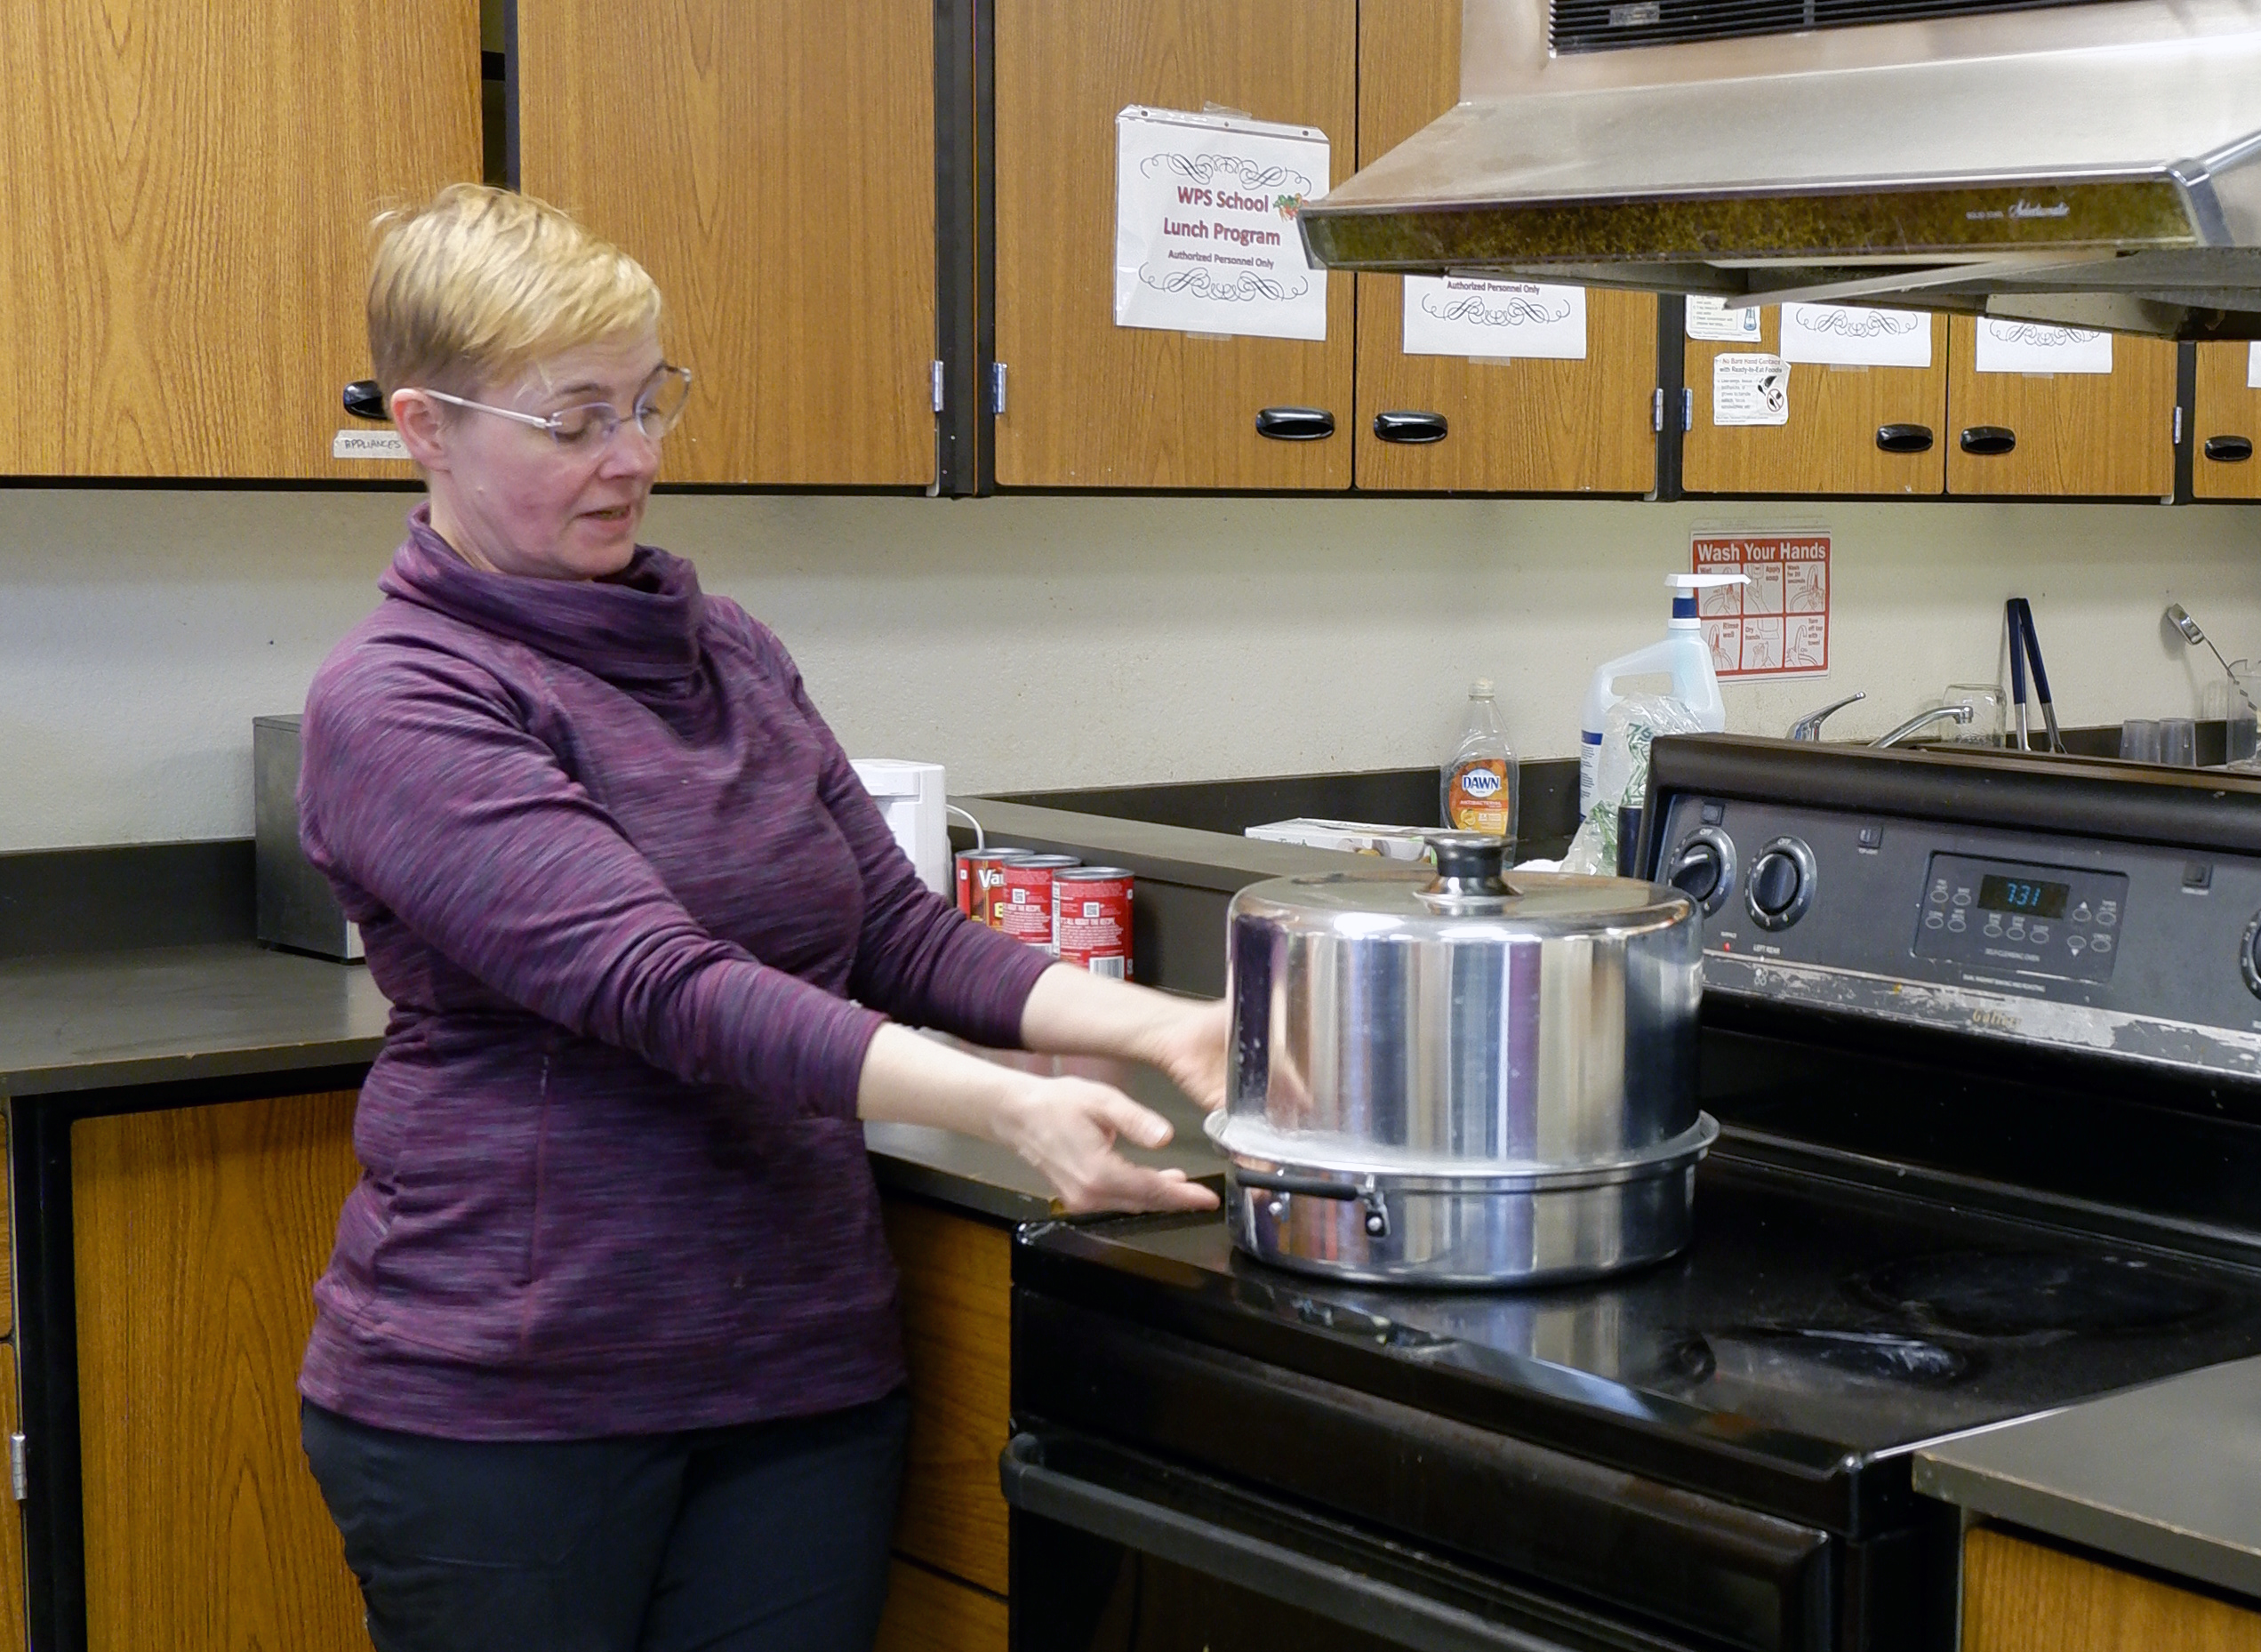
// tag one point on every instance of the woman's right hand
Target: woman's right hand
(1067, 1129)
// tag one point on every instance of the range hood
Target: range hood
(2090, 164)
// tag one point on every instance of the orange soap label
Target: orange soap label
(1478, 801)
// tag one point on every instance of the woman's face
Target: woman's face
(512, 499)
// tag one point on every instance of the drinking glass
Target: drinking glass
(1988, 717)
(2139, 740)
(2241, 747)
(2179, 742)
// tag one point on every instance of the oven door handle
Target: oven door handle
(1267, 1568)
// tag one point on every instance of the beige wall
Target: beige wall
(1045, 641)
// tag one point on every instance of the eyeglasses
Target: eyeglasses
(590, 425)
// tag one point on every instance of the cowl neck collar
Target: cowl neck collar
(637, 627)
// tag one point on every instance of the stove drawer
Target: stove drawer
(1575, 1529)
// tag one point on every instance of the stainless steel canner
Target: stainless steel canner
(1443, 1078)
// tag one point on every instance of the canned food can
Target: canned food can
(1091, 919)
(1022, 908)
(978, 876)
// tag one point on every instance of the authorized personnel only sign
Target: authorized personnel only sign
(1206, 238)
(1777, 625)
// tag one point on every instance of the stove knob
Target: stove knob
(2249, 956)
(1782, 884)
(1703, 868)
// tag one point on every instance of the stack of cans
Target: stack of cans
(1081, 915)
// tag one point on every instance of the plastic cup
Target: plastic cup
(2179, 742)
(2139, 740)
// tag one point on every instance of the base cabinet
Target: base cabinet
(2025, 1597)
(927, 1612)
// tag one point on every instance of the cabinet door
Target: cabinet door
(2227, 427)
(185, 194)
(1510, 425)
(14, 1627)
(1091, 404)
(199, 1233)
(2076, 433)
(1849, 431)
(927, 1613)
(771, 164)
(2022, 1597)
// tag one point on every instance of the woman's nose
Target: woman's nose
(630, 452)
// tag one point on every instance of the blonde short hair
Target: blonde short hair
(475, 285)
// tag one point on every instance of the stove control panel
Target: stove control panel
(2143, 950)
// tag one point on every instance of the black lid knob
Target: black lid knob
(1469, 862)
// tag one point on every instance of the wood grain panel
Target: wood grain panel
(930, 1614)
(7, 1233)
(2078, 433)
(1091, 404)
(199, 1234)
(1515, 426)
(2020, 1597)
(1829, 446)
(958, 1329)
(185, 192)
(2226, 407)
(15, 1629)
(771, 164)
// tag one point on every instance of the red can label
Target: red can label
(1022, 908)
(981, 874)
(1091, 920)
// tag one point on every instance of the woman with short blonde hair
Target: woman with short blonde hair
(607, 1356)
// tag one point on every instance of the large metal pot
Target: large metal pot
(1440, 1078)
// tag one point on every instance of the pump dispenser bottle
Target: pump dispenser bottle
(1479, 779)
(1682, 653)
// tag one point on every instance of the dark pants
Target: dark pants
(770, 1535)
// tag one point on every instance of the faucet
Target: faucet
(1809, 726)
(1961, 713)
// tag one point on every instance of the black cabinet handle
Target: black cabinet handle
(1411, 428)
(1904, 438)
(364, 400)
(1989, 441)
(1295, 424)
(2229, 450)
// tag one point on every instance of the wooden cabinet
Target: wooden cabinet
(2023, 1596)
(1091, 404)
(14, 1634)
(771, 164)
(185, 194)
(2075, 434)
(1836, 440)
(930, 1612)
(199, 1233)
(2226, 425)
(1511, 425)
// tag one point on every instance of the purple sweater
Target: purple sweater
(638, 923)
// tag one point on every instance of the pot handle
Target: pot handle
(1469, 863)
(1369, 1196)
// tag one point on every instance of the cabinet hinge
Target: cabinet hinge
(17, 1473)
(1656, 411)
(938, 386)
(2178, 427)
(1687, 411)
(996, 388)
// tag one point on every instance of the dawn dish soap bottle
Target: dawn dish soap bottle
(1479, 789)
(1682, 654)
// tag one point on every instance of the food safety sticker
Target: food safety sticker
(1777, 625)
(368, 444)
(1494, 320)
(1711, 320)
(1749, 387)
(1205, 236)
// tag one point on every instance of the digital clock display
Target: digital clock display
(2025, 896)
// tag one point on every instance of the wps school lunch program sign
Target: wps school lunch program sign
(1206, 238)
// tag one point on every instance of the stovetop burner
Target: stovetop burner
(1760, 1353)
(2045, 1296)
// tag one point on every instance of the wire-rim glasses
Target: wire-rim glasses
(592, 425)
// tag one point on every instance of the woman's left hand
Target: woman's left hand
(1189, 1047)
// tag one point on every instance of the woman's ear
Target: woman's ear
(422, 427)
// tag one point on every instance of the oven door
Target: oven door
(1114, 1551)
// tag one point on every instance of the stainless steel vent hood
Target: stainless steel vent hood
(2096, 164)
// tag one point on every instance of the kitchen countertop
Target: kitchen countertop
(72, 1023)
(2168, 1475)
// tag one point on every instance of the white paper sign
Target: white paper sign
(368, 444)
(2039, 347)
(1206, 239)
(1846, 336)
(2253, 365)
(1462, 315)
(1750, 388)
(1710, 319)
(1778, 624)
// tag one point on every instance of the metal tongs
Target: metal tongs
(2026, 648)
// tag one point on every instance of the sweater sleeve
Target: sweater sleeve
(422, 786)
(916, 957)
